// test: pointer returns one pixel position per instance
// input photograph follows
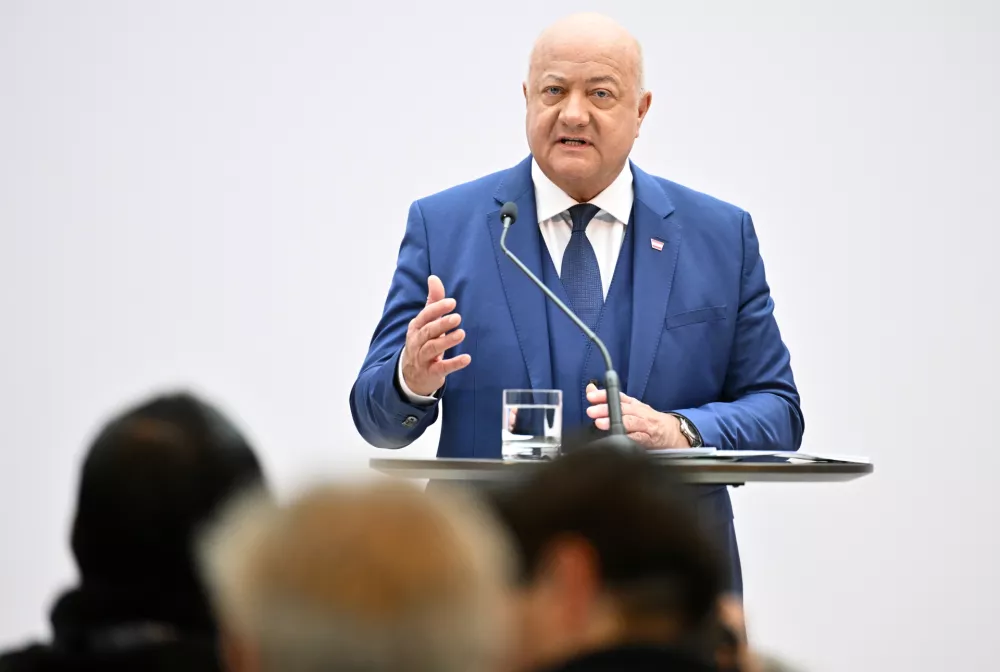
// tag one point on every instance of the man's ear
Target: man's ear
(572, 572)
(524, 90)
(644, 102)
(237, 653)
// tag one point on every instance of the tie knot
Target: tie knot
(582, 213)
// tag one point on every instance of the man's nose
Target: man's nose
(575, 111)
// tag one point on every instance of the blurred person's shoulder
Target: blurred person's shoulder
(27, 658)
(199, 655)
(637, 657)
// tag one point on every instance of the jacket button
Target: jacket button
(410, 421)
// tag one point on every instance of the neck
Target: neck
(610, 628)
(582, 191)
(581, 195)
(606, 628)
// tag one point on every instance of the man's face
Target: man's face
(238, 653)
(553, 613)
(584, 110)
(542, 637)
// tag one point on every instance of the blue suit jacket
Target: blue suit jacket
(704, 341)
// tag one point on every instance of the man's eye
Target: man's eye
(553, 90)
(601, 93)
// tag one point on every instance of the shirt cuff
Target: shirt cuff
(411, 396)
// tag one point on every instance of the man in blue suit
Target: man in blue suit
(671, 279)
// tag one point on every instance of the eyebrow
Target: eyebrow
(603, 79)
(600, 79)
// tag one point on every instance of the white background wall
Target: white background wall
(212, 194)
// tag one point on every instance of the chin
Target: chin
(574, 167)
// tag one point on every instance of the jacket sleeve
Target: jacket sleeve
(382, 414)
(760, 407)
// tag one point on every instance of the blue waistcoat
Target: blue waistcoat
(575, 360)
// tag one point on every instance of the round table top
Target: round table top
(691, 470)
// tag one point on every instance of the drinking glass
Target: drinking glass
(532, 424)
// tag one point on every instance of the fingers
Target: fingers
(596, 396)
(511, 419)
(435, 289)
(431, 312)
(449, 366)
(632, 423)
(440, 326)
(438, 346)
(598, 411)
(601, 410)
(428, 336)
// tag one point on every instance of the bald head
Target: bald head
(582, 34)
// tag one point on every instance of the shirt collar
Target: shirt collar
(616, 199)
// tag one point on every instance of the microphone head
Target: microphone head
(508, 212)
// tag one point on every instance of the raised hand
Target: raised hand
(433, 331)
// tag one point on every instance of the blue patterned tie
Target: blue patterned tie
(581, 275)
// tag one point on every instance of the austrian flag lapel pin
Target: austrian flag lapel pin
(656, 243)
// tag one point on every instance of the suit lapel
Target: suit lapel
(525, 301)
(652, 275)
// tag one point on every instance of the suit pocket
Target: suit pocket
(696, 316)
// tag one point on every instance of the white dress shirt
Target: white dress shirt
(605, 232)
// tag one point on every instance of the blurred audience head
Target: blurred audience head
(151, 479)
(611, 556)
(364, 577)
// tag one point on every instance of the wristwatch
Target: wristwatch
(689, 431)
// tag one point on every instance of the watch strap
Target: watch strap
(689, 431)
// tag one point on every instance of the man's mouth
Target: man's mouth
(573, 142)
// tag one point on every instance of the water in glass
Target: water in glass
(532, 424)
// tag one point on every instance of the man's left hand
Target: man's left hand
(643, 424)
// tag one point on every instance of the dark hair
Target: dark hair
(635, 514)
(152, 477)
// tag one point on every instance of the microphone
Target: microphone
(612, 384)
